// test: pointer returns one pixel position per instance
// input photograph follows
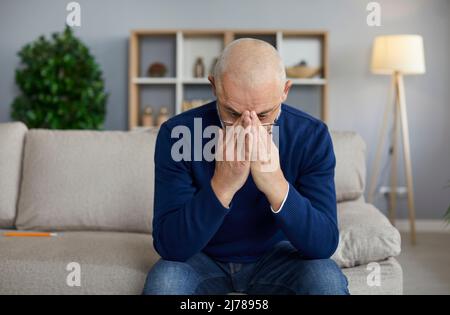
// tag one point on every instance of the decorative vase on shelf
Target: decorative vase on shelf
(147, 117)
(162, 117)
(199, 68)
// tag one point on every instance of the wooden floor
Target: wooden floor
(426, 266)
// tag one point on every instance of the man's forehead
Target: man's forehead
(241, 97)
(241, 101)
(258, 107)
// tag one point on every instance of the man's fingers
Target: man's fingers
(255, 118)
(262, 143)
(230, 140)
(258, 143)
(241, 118)
(243, 145)
(228, 145)
(237, 137)
(247, 140)
(220, 146)
(248, 145)
(246, 119)
(265, 147)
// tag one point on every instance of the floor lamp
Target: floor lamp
(397, 55)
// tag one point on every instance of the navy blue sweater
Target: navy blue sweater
(188, 217)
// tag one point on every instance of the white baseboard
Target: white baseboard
(437, 226)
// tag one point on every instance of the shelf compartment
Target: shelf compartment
(157, 48)
(194, 45)
(156, 96)
(306, 99)
(193, 92)
(307, 48)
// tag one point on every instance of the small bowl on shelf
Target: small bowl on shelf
(302, 71)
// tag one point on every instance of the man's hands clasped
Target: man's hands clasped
(247, 148)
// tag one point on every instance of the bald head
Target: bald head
(250, 63)
(249, 76)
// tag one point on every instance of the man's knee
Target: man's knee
(170, 277)
(322, 276)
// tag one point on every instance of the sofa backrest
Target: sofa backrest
(87, 180)
(103, 180)
(350, 171)
(11, 145)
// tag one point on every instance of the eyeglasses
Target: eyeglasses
(267, 126)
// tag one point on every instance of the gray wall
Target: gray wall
(356, 96)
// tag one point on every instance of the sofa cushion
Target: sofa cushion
(87, 180)
(11, 145)
(118, 263)
(110, 263)
(391, 278)
(350, 171)
(365, 235)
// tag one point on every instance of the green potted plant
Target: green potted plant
(61, 85)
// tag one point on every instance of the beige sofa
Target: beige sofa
(95, 189)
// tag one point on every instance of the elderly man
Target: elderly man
(231, 225)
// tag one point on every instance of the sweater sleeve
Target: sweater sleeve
(186, 217)
(309, 215)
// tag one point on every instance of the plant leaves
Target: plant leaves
(61, 84)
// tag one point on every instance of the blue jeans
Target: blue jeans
(280, 271)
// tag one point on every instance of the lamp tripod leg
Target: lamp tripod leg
(407, 157)
(394, 157)
(376, 163)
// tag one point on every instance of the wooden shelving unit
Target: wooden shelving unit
(178, 49)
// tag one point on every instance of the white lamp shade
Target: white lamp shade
(398, 53)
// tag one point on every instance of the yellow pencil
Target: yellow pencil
(30, 234)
